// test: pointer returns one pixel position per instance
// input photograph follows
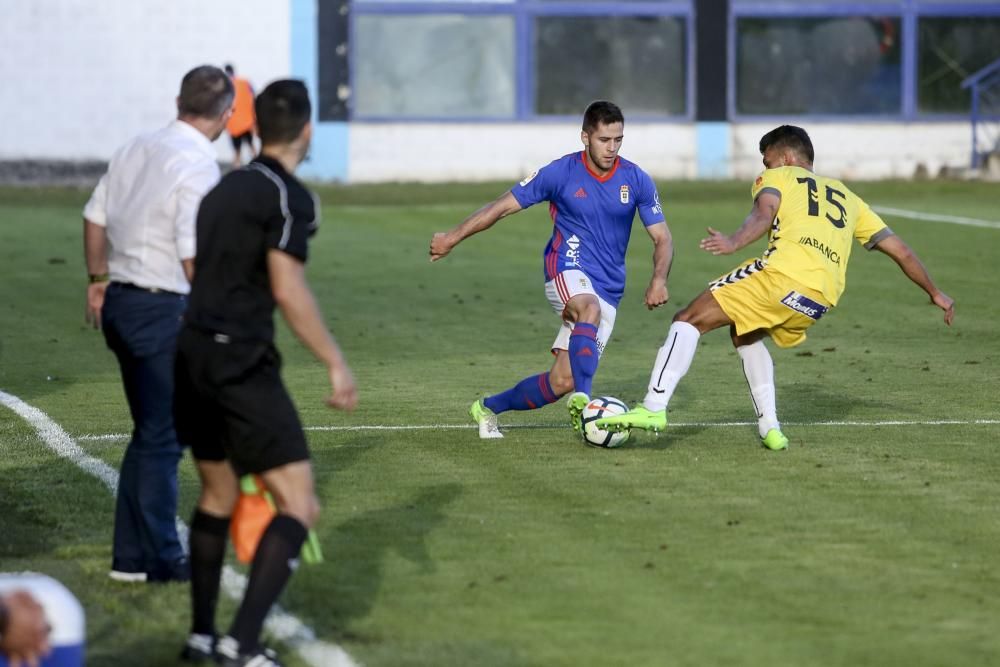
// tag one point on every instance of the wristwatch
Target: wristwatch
(99, 278)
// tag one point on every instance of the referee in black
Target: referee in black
(231, 406)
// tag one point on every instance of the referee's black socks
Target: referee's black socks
(276, 558)
(208, 551)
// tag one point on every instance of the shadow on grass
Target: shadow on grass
(349, 586)
(797, 402)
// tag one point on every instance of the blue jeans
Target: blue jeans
(141, 329)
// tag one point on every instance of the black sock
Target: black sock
(273, 564)
(208, 551)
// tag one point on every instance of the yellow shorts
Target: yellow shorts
(755, 297)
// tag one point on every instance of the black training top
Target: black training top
(251, 211)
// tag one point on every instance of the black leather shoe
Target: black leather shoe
(179, 570)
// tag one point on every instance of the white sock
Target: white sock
(759, 371)
(672, 361)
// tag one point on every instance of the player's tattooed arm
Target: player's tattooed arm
(756, 224)
(442, 243)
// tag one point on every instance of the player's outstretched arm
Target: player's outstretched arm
(755, 225)
(443, 242)
(298, 307)
(903, 255)
(657, 293)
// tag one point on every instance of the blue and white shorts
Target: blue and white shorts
(564, 287)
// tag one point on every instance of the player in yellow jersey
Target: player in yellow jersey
(811, 221)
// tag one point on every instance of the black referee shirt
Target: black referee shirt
(251, 211)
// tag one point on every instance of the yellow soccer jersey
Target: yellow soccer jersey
(810, 238)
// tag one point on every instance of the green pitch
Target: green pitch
(866, 544)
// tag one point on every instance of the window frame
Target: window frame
(909, 13)
(524, 13)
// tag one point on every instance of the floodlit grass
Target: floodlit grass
(861, 545)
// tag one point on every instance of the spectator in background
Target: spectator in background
(139, 241)
(41, 622)
(241, 123)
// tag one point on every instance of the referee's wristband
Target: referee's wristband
(99, 278)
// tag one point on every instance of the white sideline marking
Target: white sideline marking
(936, 217)
(280, 624)
(469, 427)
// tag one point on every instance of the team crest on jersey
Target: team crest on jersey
(760, 179)
(623, 193)
(529, 178)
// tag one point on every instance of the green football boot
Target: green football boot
(487, 420)
(576, 402)
(637, 417)
(775, 440)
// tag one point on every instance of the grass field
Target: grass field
(872, 541)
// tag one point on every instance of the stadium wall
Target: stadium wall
(478, 152)
(80, 78)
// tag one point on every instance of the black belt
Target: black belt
(151, 290)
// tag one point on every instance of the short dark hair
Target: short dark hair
(283, 109)
(601, 112)
(791, 137)
(206, 92)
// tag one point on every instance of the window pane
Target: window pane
(444, 65)
(818, 66)
(950, 50)
(637, 62)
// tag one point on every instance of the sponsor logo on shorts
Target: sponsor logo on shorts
(830, 253)
(623, 193)
(803, 304)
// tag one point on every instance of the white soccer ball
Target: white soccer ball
(598, 408)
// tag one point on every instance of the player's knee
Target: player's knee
(304, 509)
(683, 315)
(561, 384)
(218, 500)
(590, 313)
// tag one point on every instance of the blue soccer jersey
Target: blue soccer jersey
(592, 217)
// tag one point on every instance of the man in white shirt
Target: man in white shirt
(139, 242)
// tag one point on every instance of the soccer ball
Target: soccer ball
(599, 408)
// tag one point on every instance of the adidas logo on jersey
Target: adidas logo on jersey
(580, 194)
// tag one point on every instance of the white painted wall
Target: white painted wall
(489, 151)
(864, 151)
(481, 152)
(80, 77)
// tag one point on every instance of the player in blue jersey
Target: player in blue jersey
(593, 197)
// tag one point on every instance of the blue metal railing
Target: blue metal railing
(985, 84)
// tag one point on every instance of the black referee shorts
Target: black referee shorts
(230, 403)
